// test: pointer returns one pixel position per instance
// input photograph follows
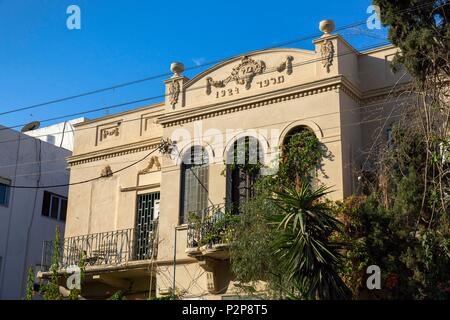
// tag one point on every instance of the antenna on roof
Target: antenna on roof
(31, 126)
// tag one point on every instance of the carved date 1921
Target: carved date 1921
(261, 84)
(227, 93)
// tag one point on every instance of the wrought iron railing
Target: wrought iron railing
(209, 227)
(106, 248)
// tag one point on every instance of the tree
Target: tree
(252, 252)
(283, 237)
(30, 284)
(421, 30)
(405, 221)
(400, 226)
(305, 249)
(50, 290)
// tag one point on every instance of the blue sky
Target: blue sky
(120, 41)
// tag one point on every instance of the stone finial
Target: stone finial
(177, 68)
(327, 26)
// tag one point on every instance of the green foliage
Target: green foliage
(252, 252)
(50, 290)
(243, 152)
(75, 293)
(306, 252)
(30, 284)
(421, 30)
(302, 156)
(283, 236)
(399, 228)
(218, 230)
(415, 265)
(119, 295)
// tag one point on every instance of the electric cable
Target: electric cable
(153, 77)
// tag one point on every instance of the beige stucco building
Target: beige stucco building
(341, 94)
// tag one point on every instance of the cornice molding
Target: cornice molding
(113, 152)
(339, 82)
(152, 108)
(140, 188)
(380, 94)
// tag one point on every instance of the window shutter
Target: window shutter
(194, 176)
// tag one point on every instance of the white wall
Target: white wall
(60, 134)
(26, 162)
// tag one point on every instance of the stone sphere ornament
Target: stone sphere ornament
(327, 26)
(177, 68)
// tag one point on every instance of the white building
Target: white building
(28, 216)
(60, 134)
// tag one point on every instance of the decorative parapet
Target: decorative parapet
(300, 91)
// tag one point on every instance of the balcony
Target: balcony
(113, 248)
(209, 233)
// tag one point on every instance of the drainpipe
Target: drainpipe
(174, 259)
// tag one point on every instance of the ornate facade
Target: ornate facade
(131, 224)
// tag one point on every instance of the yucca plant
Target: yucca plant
(304, 248)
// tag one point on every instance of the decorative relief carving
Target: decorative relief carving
(106, 172)
(242, 74)
(110, 132)
(286, 65)
(154, 161)
(107, 131)
(327, 52)
(174, 92)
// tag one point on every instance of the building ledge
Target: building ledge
(215, 251)
(126, 266)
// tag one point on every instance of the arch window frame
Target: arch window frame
(194, 193)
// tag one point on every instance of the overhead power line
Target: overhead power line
(153, 77)
(139, 119)
(161, 148)
(212, 135)
(267, 71)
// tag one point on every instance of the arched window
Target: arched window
(243, 167)
(194, 182)
(298, 164)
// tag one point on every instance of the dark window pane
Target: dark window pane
(4, 194)
(144, 225)
(63, 213)
(46, 204)
(240, 179)
(54, 207)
